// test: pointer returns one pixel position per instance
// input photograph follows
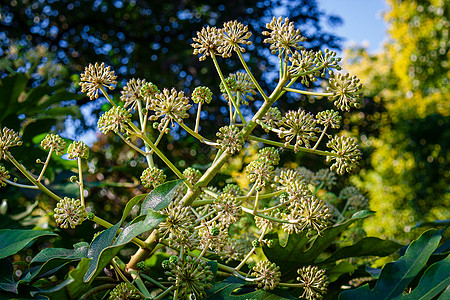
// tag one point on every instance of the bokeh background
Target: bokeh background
(399, 49)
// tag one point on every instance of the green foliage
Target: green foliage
(14, 240)
(396, 276)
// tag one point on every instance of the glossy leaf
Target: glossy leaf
(369, 246)
(7, 276)
(293, 255)
(224, 290)
(434, 280)
(128, 233)
(14, 240)
(396, 276)
(343, 267)
(161, 196)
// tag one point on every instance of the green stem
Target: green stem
(255, 82)
(255, 206)
(47, 160)
(302, 149)
(163, 294)
(321, 137)
(143, 123)
(161, 134)
(153, 281)
(97, 289)
(30, 177)
(216, 64)
(263, 232)
(307, 92)
(102, 89)
(140, 284)
(197, 119)
(131, 145)
(258, 214)
(196, 135)
(80, 179)
(24, 186)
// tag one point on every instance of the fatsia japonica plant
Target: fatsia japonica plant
(288, 233)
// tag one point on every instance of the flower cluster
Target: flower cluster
(124, 291)
(233, 34)
(115, 119)
(240, 84)
(78, 149)
(300, 126)
(8, 138)
(202, 94)
(314, 282)
(267, 274)
(192, 175)
(131, 93)
(4, 175)
(152, 177)
(230, 139)
(170, 105)
(346, 154)
(55, 142)
(207, 42)
(96, 77)
(345, 91)
(179, 221)
(283, 37)
(329, 118)
(271, 118)
(228, 208)
(192, 277)
(69, 212)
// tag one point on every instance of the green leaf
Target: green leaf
(10, 89)
(130, 204)
(342, 267)
(7, 276)
(128, 233)
(396, 276)
(14, 240)
(161, 196)
(224, 290)
(369, 246)
(445, 295)
(435, 279)
(72, 287)
(294, 255)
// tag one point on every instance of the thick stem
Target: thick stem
(197, 119)
(143, 123)
(307, 92)
(143, 253)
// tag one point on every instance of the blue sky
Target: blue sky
(363, 21)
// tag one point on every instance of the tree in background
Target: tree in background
(408, 160)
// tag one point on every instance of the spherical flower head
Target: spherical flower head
(230, 139)
(213, 236)
(271, 154)
(271, 118)
(4, 175)
(169, 106)
(303, 65)
(329, 118)
(314, 282)
(8, 138)
(232, 189)
(345, 91)
(124, 291)
(192, 175)
(267, 273)
(95, 77)
(357, 203)
(348, 192)
(324, 177)
(148, 90)
(69, 212)
(115, 119)
(189, 242)
(152, 177)
(245, 87)
(262, 223)
(292, 183)
(346, 153)
(207, 42)
(131, 93)
(78, 149)
(202, 94)
(179, 220)
(192, 276)
(230, 83)
(232, 35)
(300, 127)
(228, 208)
(283, 37)
(260, 171)
(55, 142)
(313, 214)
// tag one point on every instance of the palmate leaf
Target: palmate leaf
(234, 288)
(104, 247)
(293, 255)
(14, 240)
(396, 276)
